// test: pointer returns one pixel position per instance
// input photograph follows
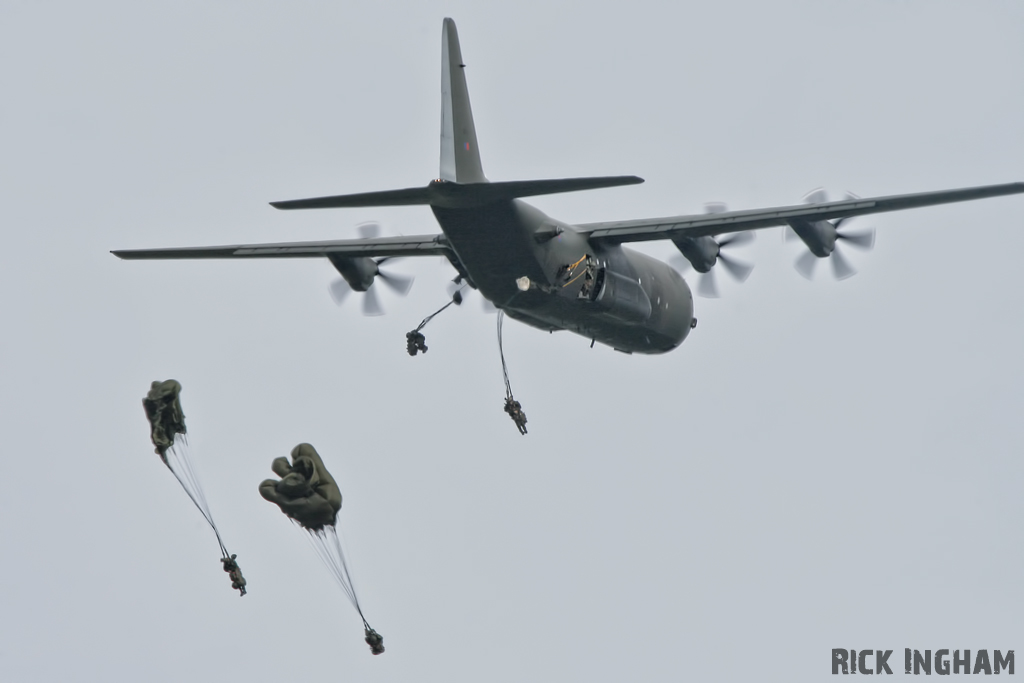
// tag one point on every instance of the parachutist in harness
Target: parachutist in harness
(515, 411)
(375, 641)
(415, 341)
(308, 494)
(235, 572)
(512, 406)
(168, 433)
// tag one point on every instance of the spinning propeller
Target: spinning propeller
(358, 274)
(704, 252)
(823, 237)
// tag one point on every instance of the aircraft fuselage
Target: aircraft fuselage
(619, 297)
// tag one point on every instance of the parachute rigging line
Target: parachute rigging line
(327, 546)
(501, 352)
(415, 341)
(182, 460)
(512, 406)
(423, 323)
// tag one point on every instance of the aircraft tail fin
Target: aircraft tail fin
(460, 157)
(461, 182)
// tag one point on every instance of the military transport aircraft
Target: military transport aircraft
(551, 274)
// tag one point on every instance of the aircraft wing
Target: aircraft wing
(736, 221)
(420, 245)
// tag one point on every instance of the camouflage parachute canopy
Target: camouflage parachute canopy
(163, 409)
(306, 492)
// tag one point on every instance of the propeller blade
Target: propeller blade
(399, 284)
(737, 239)
(840, 266)
(707, 286)
(371, 304)
(368, 229)
(789, 234)
(805, 264)
(739, 270)
(862, 239)
(715, 207)
(339, 290)
(816, 196)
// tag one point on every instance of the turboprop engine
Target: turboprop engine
(820, 237)
(358, 275)
(704, 252)
(358, 272)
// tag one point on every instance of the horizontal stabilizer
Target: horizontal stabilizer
(454, 195)
(408, 197)
(491, 192)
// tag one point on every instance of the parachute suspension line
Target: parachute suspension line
(193, 488)
(333, 534)
(189, 480)
(324, 551)
(512, 406)
(183, 454)
(415, 341)
(328, 548)
(423, 323)
(501, 352)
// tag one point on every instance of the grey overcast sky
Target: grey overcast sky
(821, 464)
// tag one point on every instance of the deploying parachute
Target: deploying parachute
(167, 423)
(163, 410)
(309, 495)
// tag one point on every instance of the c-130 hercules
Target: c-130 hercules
(547, 273)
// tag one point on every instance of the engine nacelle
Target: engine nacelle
(819, 236)
(358, 272)
(701, 252)
(620, 296)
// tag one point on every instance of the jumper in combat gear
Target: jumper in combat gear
(163, 409)
(375, 641)
(512, 406)
(235, 573)
(167, 431)
(308, 494)
(515, 411)
(415, 342)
